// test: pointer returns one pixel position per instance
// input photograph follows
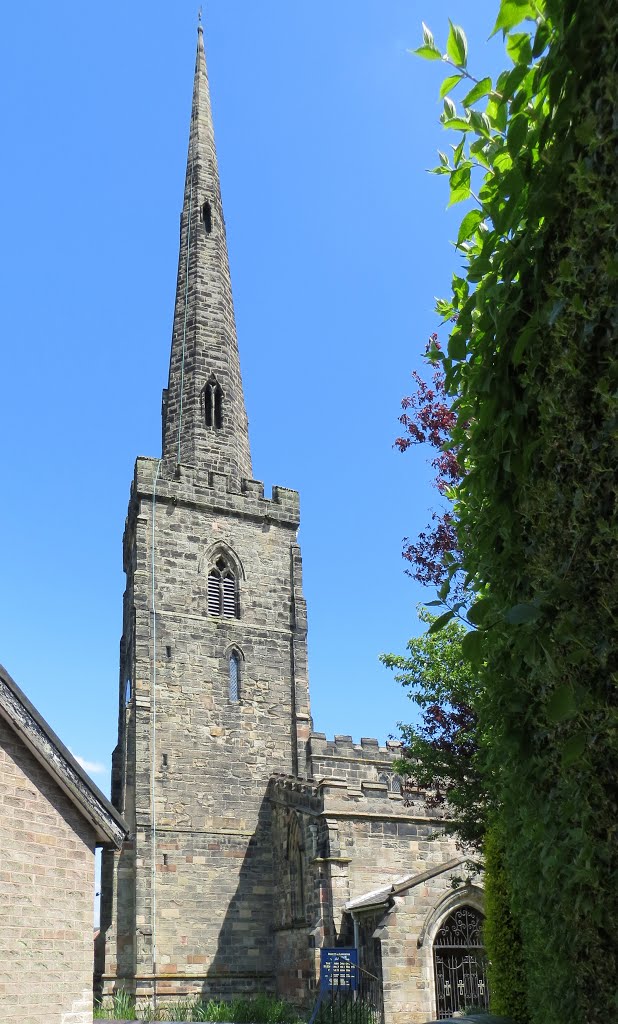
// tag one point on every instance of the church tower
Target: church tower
(213, 665)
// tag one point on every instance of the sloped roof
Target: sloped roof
(109, 827)
(381, 897)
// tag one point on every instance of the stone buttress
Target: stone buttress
(213, 681)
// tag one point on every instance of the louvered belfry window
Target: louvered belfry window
(222, 596)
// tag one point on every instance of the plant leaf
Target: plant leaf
(460, 185)
(516, 134)
(440, 622)
(511, 13)
(573, 748)
(482, 88)
(469, 225)
(457, 45)
(427, 35)
(561, 705)
(448, 84)
(521, 613)
(428, 53)
(472, 646)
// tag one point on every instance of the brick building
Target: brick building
(53, 817)
(254, 841)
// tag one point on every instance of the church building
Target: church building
(254, 842)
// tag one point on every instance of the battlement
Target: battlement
(342, 797)
(186, 485)
(343, 746)
(365, 767)
(296, 793)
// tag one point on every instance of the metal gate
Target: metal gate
(460, 964)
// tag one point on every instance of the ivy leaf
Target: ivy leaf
(512, 13)
(428, 53)
(448, 84)
(469, 225)
(440, 622)
(561, 705)
(482, 88)
(460, 185)
(472, 646)
(521, 613)
(457, 45)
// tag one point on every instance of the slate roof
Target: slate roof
(109, 827)
(381, 897)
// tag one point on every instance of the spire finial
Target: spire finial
(199, 20)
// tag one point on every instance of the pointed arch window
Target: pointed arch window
(234, 665)
(296, 870)
(222, 590)
(212, 403)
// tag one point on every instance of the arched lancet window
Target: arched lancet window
(222, 590)
(460, 963)
(212, 403)
(234, 666)
(295, 867)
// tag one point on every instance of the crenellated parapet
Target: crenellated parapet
(195, 488)
(357, 763)
(296, 794)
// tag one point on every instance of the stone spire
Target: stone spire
(204, 416)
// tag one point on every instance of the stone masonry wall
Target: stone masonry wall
(356, 838)
(46, 895)
(208, 905)
(354, 763)
(406, 936)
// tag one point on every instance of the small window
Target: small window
(212, 404)
(234, 677)
(207, 217)
(127, 691)
(396, 784)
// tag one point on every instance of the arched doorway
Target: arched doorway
(460, 964)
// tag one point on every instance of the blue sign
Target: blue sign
(339, 969)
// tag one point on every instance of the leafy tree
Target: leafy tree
(531, 371)
(439, 755)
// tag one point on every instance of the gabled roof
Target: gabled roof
(15, 708)
(382, 897)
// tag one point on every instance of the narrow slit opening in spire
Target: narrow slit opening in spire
(207, 216)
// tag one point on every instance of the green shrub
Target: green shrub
(502, 937)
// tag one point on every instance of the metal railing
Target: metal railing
(353, 996)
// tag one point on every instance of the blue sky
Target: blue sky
(338, 243)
